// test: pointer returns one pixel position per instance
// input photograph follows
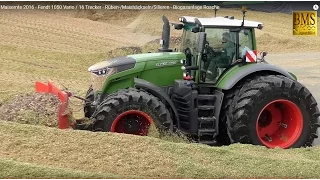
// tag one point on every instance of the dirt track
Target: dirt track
(307, 68)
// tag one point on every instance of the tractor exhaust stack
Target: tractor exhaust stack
(165, 39)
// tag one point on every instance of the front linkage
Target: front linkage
(65, 117)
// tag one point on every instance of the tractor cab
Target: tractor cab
(226, 41)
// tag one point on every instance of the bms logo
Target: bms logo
(305, 23)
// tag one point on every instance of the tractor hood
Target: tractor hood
(127, 62)
(110, 63)
(158, 56)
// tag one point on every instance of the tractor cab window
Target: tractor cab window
(188, 39)
(220, 51)
(245, 41)
(188, 45)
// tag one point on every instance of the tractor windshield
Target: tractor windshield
(188, 38)
(221, 51)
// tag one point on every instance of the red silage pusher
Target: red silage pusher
(63, 119)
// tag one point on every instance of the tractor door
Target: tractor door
(221, 50)
(219, 53)
(188, 46)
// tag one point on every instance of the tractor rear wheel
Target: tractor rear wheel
(226, 109)
(88, 109)
(132, 111)
(273, 111)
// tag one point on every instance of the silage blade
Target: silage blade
(63, 110)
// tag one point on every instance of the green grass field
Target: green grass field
(60, 46)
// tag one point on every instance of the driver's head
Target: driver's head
(225, 37)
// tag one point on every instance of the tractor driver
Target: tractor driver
(220, 57)
(227, 52)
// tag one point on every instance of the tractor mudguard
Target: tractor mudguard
(159, 93)
(237, 73)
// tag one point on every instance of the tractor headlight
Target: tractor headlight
(99, 74)
(99, 77)
(101, 71)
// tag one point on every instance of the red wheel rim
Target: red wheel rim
(279, 124)
(132, 122)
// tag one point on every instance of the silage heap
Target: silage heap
(32, 108)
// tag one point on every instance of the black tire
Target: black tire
(126, 100)
(223, 137)
(88, 108)
(254, 95)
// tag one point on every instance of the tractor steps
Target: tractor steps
(207, 130)
(208, 97)
(207, 119)
(210, 143)
(206, 107)
(198, 109)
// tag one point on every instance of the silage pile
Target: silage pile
(174, 41)
(35, 109)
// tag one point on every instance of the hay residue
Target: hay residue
(177, 137)
(33, 108)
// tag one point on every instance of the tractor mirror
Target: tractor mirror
(177, 26)
(263, 54)
(195, 29)
(201, 41)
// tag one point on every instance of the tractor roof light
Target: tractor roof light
(182, 19)
(260, 26)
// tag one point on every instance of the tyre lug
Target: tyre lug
(283, 125)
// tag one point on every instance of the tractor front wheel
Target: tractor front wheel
(132, 111)
(88, 108)
(273, 111)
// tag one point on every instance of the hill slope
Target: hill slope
(17, 170)
(127, 156)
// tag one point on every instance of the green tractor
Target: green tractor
(215, 89)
